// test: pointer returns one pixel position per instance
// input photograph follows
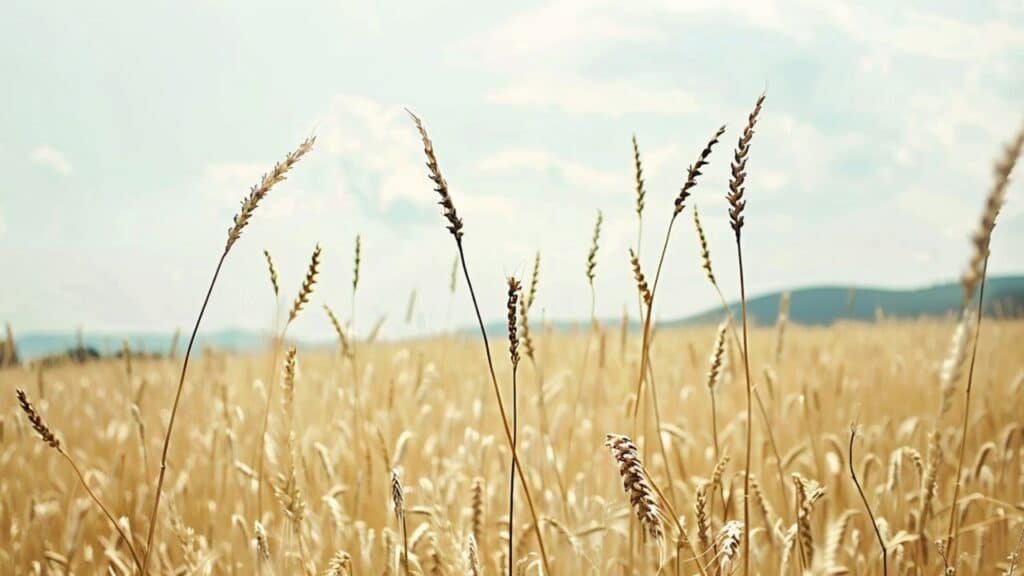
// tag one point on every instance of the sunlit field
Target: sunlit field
(427, 409)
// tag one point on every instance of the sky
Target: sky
(130, 131)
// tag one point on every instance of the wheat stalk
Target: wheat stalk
(867, 506)
(976, 272)
(514, 289)
(249, 205)
(455, 228)
(736, 206)
(51, 440)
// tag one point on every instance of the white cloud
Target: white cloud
(52, 158)
(519, 161)
(581, 96)
(378, 146)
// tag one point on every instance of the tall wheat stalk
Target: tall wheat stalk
(514, 288)
(705, 256)
(736, 206)
(455, 228)
(249, 205)
(975, 274)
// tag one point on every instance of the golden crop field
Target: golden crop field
(427, 408)
(892, 447)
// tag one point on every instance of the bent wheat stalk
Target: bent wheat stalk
(249, 205)
(455, 227)
(863, 498)
(51, 440)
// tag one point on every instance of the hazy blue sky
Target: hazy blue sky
(129, 131)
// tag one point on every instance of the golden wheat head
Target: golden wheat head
(260, 190)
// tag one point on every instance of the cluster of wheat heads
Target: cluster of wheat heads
(422, 458)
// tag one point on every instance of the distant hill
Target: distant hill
(38, 344)
(816, 306)
(822, 305)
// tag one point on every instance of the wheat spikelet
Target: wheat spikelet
(929, 482)
(260, 190)
(260, 542)
(694, 171)
(981, 237)
(38, 424)
(729, 545)
(788, 543)
(531, 293)
(762, 503)
(635, 483)
(339, 564)
(739, 170)
(592, 253)
(357, 260)
(307, 285)
(700, 510)
(339, 330)
(514, 288)
(638, 275)
(473, 557)
(273, 273)
(397, 495)
(808, 493)
(780, 326)
(952, 366)
(440, 184)
(638, 171)
(715, 360)
(288, 384)
(705, 252)
(525, 304)
(477, 521)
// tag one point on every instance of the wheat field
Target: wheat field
(892, 447)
